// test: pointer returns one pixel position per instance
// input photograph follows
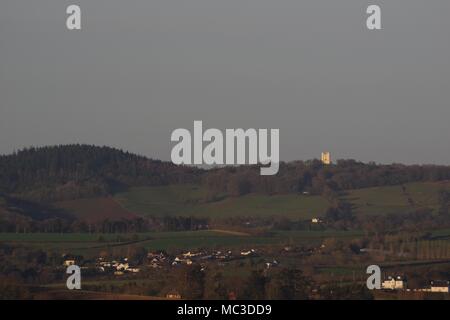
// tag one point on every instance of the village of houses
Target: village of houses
(160, 259)
(399, 283)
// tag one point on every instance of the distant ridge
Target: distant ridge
(75, 171)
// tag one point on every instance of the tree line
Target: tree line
(313, 177)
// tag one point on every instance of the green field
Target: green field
(425, 194)
(187, 200)
(82, 243)
(379, 200)
(395, 199)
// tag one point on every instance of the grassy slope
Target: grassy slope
(379, 200)
(95, 209)
(395, 199)
(186, 200)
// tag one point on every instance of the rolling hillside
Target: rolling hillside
(187, 200)
(96, 183)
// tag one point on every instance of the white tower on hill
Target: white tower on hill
(326, 157)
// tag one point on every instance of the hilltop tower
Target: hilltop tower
(326, 157)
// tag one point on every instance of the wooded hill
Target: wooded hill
(80, 171)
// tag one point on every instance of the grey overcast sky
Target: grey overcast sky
(139, 69)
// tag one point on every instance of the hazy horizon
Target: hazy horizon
(140, 69)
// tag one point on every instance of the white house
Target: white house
(191, 254)
(249, 252)
(69, 262)
(440, 286)
(122, 266)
